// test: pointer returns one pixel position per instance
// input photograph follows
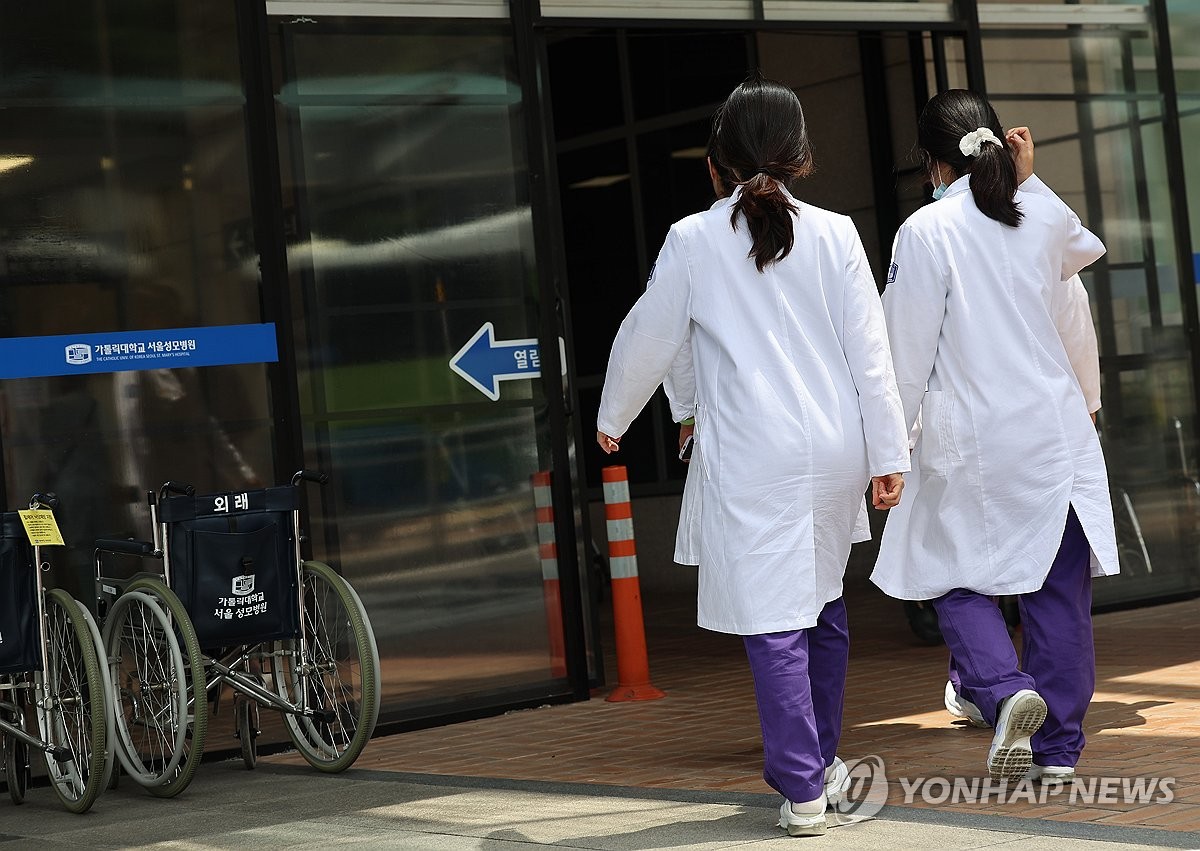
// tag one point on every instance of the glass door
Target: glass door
(1093, 97)
(416, 301)
(632, 111)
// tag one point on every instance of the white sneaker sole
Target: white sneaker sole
(1013, 757)
(801, 825)
(1036, 772)
(814, 829)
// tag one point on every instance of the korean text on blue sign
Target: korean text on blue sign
(123, 351)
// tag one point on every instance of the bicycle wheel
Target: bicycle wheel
(154, 665)
(341, 678)
(75, 713)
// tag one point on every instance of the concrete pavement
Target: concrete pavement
(283, 806)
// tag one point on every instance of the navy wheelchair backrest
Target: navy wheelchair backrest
(18, 599)
(233, 563)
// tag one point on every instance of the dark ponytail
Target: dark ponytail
(944, 121)
(761, 138)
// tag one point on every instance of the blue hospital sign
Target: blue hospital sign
(124, 351)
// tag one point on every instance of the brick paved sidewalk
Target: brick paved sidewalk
(1144, 720)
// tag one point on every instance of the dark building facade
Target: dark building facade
(443, 210)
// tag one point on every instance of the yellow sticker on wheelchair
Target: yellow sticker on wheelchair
(41, 528)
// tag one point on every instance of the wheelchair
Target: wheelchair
(283, 633)
(50, 660)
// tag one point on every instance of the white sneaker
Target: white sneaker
(806, 819)
(1051, 773)
(960, 707)
(1020, 717)
(837, 781)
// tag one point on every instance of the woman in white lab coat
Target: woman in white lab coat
(1009, 492)
(796, 409)
(680, 388)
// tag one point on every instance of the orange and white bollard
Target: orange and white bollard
(548, 553)
(633, 666)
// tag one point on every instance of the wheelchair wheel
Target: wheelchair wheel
(246, 714)
(16, 768)
(15, 754)
(342, 676)
(75, 717)
(156, 662)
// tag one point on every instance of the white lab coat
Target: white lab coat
(989, 345)
(680, 387)
(796, 407)
(1073, 317)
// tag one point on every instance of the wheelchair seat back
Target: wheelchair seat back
(233, 563)
(18, 599)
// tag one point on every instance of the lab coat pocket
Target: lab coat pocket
(939, 448)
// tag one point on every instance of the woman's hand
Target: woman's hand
(685, 431)
(885, 490)
(608, 444)
(1020, 141)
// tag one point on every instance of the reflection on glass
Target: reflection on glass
(404, 161)
(126, 207)
(1106, 156)
(436, 522)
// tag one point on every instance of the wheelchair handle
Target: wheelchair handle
(43, 500)
(176, 487)
(126, 546)
(309, 476)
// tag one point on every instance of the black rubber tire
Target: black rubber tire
(247, 730)
(16, 767)
(923, 621)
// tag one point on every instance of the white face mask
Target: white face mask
(941, 187)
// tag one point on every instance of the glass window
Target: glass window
(1185, 46)
(404, 164)
(587, 96)
(1099, 143)
(676, 71)
(124, 171)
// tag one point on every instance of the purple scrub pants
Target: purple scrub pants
(1057, 656)
(800, 684)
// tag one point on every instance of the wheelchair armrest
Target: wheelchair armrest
(126, 546)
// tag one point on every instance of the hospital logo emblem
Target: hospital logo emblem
(79, 353)
(243, 585)
(892, 270)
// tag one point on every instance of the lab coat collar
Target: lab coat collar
(960, 185)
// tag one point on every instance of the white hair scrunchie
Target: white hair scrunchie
(972, 143)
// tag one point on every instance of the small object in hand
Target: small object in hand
(685, 452)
